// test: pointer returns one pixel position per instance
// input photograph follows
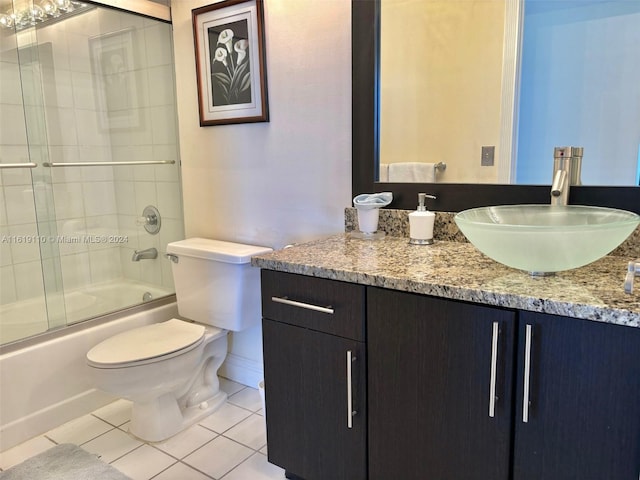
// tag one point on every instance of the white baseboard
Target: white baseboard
(43, 420)
(242, 370)
(239, 369)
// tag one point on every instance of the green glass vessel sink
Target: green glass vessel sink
(543, 239)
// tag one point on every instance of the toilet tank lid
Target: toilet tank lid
(218, 250)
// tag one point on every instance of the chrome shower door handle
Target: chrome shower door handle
(527, 374)
(18, 165)
(350, 411)
(494, 369)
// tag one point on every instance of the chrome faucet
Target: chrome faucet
(149, 253)
(633, 270)
(567, 163)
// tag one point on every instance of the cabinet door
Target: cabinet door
(583, 418)
(307, 408)
(433, 365)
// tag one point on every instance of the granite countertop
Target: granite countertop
(459, 271)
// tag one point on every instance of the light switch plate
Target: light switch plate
(488, 152)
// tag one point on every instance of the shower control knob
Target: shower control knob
(150, 219)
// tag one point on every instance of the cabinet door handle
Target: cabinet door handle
(494, 368)
(350, 411)
(328, 309)
(527, 373)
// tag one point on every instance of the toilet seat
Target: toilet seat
(148, 344)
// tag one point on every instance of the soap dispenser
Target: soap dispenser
(421, 223)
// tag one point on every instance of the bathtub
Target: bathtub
(29, 317)
(44, 380)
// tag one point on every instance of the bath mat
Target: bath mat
(63, 462)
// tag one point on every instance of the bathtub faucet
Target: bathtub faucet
(149, 253)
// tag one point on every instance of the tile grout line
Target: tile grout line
(121, 426)
(107, 421)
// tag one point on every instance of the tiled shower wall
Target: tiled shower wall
(89, 200)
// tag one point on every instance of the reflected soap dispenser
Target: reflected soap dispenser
(421, 223)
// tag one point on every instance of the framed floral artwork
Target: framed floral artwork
(230, 62)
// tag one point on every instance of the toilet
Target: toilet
(169, 370)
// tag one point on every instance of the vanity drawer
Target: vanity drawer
(328, 306)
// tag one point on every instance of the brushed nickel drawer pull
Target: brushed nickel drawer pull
(328, 309)
(350, 411)
(527, 373)
(494, 370)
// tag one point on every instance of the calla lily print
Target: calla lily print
(231, 62)
(230, 66)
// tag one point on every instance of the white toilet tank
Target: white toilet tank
(215, 283)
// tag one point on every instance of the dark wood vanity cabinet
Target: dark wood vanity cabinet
(433, 367)
(443, 389)
(315, 373)
(583, 418)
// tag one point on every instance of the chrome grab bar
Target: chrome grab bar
(108, 164)
(441, 166)
(18, 165)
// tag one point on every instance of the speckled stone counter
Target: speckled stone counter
(457, 270)
(396, 223)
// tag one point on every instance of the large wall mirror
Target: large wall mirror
(470, 105)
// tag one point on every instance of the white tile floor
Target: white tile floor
(230, 444)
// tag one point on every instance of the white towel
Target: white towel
(412, 172)
(384, 172)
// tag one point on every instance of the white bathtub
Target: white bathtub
(29, 317)
(46, 383)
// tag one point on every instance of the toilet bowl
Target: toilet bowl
(169, 370)
(171, 386)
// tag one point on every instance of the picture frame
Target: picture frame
(114, 73)
(231, 62)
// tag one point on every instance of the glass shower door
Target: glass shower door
(89, 103)
(30, 287)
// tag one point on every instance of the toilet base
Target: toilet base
(162, 418)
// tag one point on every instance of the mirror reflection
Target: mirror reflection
(486, 89)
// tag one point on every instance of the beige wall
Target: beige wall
(288, 180)
(440, 83)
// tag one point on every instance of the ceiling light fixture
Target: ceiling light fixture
(40, 12)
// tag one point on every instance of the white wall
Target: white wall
(285, 181)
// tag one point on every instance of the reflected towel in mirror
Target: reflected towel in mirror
(383, 176)
(412, 172)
